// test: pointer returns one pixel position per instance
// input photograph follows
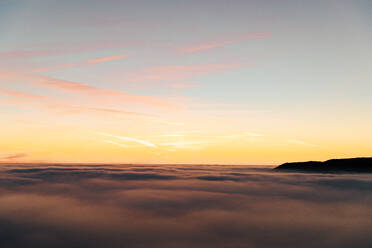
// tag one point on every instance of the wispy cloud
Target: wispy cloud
(92, 91)
(116, 143)
(21, 95)
(192, 145)
(25, 54)
(253, 134)
(84, 63)
(83, 88)
(76, 47)
(204, 46)
(300, 142)
(175, 76)
(232, 38)
(80, 109)
(241, 135)
(173, 135)
(27, 99)
(15, 156)
(108, 58)
(184, 85)
(143, 142)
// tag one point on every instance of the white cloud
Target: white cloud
(173, 135)
(115, 143)
(185, 144)
(253, 134)
(143, 142)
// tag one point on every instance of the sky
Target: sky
(203, 82)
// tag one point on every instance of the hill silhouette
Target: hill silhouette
(352, 165)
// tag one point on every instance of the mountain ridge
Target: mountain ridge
(353, 165)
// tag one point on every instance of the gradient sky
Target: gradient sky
(227, 82)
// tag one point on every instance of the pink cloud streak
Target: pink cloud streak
(26, 99)
(206, 46)
(175, 73)
(22, 95)
(92, 91)
(15, 156)
(82, 89)
(233, 38)
(25, 54)
(84, 63)
(105, 59)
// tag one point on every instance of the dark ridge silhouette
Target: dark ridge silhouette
(351, 165)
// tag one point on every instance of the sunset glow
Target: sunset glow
(218, 84)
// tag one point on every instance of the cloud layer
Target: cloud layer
(181, 206)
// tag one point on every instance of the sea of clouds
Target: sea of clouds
(181, 206)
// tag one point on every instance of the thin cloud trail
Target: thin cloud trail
(143, 142)
(116, 143)
(84, 63)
